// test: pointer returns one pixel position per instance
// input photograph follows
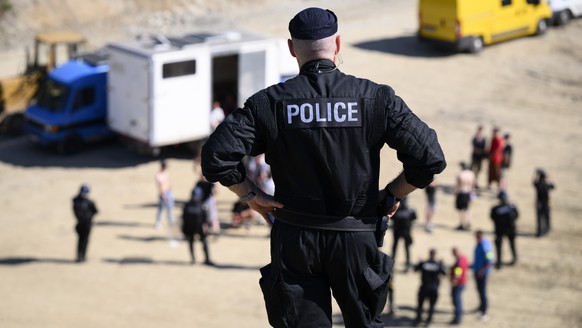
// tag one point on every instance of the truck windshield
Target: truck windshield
(53, 96)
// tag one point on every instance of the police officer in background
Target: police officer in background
(402, 224)
(195, 218)
(322, 132)
(430, 271)
(543, 186)
(504, 216)
(84, 210)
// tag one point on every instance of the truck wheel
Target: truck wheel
(13, 124)
(542, 27)
(70, 145)
(476, 44)
(563, 17)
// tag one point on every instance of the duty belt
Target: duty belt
(325, 222)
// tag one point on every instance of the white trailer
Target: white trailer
(160, 91)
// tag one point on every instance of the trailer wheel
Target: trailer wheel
(70, 145)
(476, 44)
(542, 27)
(563, 17)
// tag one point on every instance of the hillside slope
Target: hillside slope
(103, 20)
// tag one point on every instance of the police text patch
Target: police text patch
(320, 113)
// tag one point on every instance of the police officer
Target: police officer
(84, 210)
(322, 132)
(543, 187)
(504, 216)
(430, 271)
(195, 218)
(402, 223)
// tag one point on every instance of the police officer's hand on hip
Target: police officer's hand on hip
(262, 203)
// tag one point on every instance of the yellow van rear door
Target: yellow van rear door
(438, 19)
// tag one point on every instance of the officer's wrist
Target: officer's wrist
(251, 192)
(390, 194)
(248, 197)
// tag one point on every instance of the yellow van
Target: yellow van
(468, 25)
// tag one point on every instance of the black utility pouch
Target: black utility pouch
(271, 288)
(377, 278)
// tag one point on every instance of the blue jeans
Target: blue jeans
(166, 203)
(482, 289)
(456, 294)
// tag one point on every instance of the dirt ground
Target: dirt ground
(531, 88)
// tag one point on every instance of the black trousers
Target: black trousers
(190, 239)
(499, 245)
(308, 265)
(426, 293)
(407, 242)
(83, 231)
(543, 218)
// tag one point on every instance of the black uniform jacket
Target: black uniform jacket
(322, 132)
(504, 217)
(84, 209)
(431, 270)
(403, 220)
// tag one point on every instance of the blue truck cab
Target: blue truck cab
(71, 107)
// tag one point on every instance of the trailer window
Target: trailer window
(179, 69)
(84, 97)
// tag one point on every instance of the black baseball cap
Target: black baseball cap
(313, 24)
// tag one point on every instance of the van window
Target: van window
(53, 96)
(84, 97)
(179, 69)
(505, 2)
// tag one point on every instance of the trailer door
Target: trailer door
(252, 74)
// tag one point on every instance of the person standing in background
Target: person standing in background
(216, 115)
(431, 204)
(84, 210)
(401, 227)
(504, 216)
(478, 153)
(195, 218)
(458, 276)
(464, 190)
(495, 159)
(506, 161)
(430, 270)
(483, 261)
(165, 200)
(543, 187)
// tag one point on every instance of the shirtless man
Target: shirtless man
(464, 188)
